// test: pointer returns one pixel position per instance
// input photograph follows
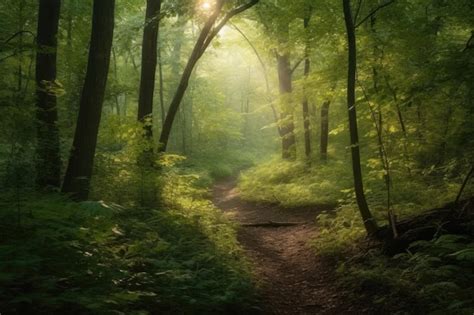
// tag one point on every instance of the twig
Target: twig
(17, 34)
(296, 65)
(373, 12)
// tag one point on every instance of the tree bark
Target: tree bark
(160, 70)
(48, 164)
(306, 122)
(287, 126)
(148, 67)
(369, 221)
(81, 160)
(324, 131)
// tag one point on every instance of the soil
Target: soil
(291, 277)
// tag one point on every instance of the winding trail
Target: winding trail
(292, 279)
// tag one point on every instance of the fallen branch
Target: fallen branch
(272, 224)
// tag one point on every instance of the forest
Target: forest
(237, 157)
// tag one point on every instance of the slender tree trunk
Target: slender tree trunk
(369, 221)
(160, 69)
(175, 65)
(287, 126)
(148, 67)
(21, 24)
(81, 160)
(116, 78)
(48, 164)
(402, 125)
(324, 131)
(306, 120)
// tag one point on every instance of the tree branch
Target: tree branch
(359, 6)
(373, 12)
(224, 21)
(466, 180)
(468, 43)
(264, 70)
(17, 34)
(296, 65)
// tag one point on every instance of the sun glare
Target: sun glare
(206, 6)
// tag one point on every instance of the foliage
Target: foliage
(433, 277)
(98, 257)
(293, 184)
(415, 108)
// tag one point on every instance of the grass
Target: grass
(293, 184)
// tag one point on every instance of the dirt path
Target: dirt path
(292, 278)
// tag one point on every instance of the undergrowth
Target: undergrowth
(294, 183)
(101, 258)
(432, 277)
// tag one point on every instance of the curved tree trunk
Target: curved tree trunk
(208, 32)
(369, 221)
(48, 164)
(81, 160)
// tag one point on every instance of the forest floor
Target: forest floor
(291, 277)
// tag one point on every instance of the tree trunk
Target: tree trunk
(21, 25)
(48, 164)
(306, 122)
(81, 160)
(324, 131)
(148, 67)
(287, 126)
(369, 221)
(160, 70)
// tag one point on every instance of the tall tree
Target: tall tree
(149, 62)
(307, 66)
(276, 17)
(369, 221)
(208, 32)
(287, 125)
(48, 164)
(81, 160)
